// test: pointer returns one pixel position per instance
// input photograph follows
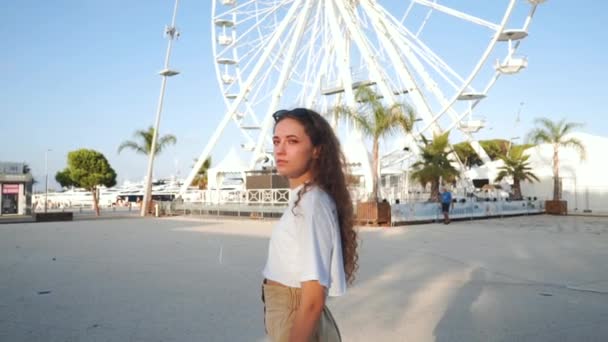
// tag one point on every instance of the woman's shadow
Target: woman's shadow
(457, 323)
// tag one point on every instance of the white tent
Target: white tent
(584, 183)
(231, 165)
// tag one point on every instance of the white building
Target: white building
(16, 188)
(584, 182)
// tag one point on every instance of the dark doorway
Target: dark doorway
(9, 203)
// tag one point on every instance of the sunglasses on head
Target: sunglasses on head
(297, 112)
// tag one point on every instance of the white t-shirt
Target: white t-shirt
(307, 246)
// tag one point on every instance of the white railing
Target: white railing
(258, 196)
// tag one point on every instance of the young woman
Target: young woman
(313, 249)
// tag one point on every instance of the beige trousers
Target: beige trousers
(280, 306)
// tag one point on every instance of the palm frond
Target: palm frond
(577, 145)
(501, 175)
(570, 126)
(145, 144)
(361, 121)
(133, 146)
(538, 136)
(164, 141)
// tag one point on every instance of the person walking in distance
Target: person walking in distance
(446, 203)
(312, 254)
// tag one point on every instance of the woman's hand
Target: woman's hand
(309, 312)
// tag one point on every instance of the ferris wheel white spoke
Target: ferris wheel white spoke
(426, 53)
(407, 12)
(372, 63)
(458, 14)
(314, 61)
(244, 90)
(245, 34)
(420, 102)
(481, 62)
(264, 79)
(434, 60)
(299, 29)
(306, 55)
(266, 94)
(263, 58)
(419, 68)
(237, 8)
(315, 37)
(251, 43)
(343, 61)
(310, 101)
(426, 19)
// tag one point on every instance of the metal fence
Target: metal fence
(85, 210)
(272, 202)
(430, 211)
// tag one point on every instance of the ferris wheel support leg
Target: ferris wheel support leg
(479, 150)
(206, 152)
(278, 90)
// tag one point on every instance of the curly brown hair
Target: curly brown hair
(329, 172)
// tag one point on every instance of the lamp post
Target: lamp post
(171, 33)
(517, 120)
(511, 144)
(46, 178)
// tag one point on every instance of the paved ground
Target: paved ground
(536, 278)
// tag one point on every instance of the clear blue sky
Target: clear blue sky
(83, 74)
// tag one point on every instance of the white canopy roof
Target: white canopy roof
(231, 163)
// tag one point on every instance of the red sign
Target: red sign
(10, 189)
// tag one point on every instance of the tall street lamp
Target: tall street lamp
(511, 144)
(46, 178)
(171, 33)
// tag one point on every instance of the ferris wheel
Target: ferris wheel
(441, 57)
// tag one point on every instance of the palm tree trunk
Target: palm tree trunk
(375, 170)
(556, 192)
(516, 189)
(95, 201)
(435, 190)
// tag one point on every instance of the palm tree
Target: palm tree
(555, 133)
(377, 121)
(145, 144)
(434, 164)
(200, 179)
(517, 167)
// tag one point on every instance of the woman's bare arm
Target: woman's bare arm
(307, 316)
